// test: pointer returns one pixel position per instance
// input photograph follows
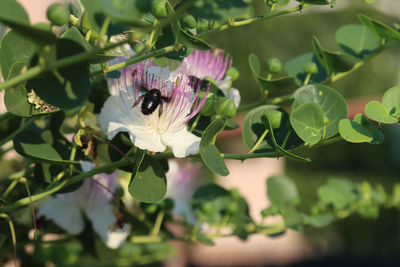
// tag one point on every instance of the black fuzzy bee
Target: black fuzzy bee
(150, 101)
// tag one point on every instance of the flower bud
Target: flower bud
(311, 68)
(275, 118)
(232, 207)
(233, 73)
(209, 107)
(225, 107)
(189, 21)
(58, 14)
(326, 121)
(143, 5)
(150, 209)
(207, 208)
(158, 9)
(274, 65)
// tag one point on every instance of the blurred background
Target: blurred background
(352, 241)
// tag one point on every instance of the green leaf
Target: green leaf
(295, 68)
(192, 41)
(333, 62)
(282, 192)
(378, 112)
(15, 49)
(316, 2)
(332, 103)
(253, 128)
(149, 183)
(120, 144)
(337, 192)
(210, 201)
(320, 220)
(268, 85)
(379, 28)
(268, 122)
(391, 100)
(308, 122)
(354, 132)
(67, 87)
(357, 40)
(377, 135)
(220, 10)
(123, 11)
(209, 152)
(12, 11)
(31, 145)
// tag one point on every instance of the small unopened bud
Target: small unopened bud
(58, 14)
(189, 21)
(326, 121)
(233, 73)
(22, 180)
(209, 106)
(150, 209)
(311, 68)
(158, 8)
(275, 118)
(207, 208)
(232, 207)
(225, 107)
(274, 65)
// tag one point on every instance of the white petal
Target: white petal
(102, 218)
(182, 142)
(64, 212)
(114, 118)
(225, 86)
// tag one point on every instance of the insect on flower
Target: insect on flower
(150, 101)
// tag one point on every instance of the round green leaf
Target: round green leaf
(308, 122)
(123, 11)
(333, 62)
(272, 84)
(357, 40)
(331, 102)
(282, 191)
(379, 28)
(354, 132)
(209, 152)
(67, 87)
(378, 112)
(12, 11)
(295, 68)
(149, 183)
(30, 144)
(337, 192)
(391, 100)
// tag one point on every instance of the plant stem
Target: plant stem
(35, 71)
(25, 201)
(251, 20)
(158, 223)
(14, 239)
(137, 59)
(257, 144)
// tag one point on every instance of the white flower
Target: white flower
(182, 181)
(214, 64)
(93, 200)
(156, 131)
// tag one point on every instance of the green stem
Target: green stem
(194, 124)
(257, 144)
(35, 71)
(286, 138)
(137, 59)
(158, 223)
(103, 30)
(10, 188)
(307, 79)
(145, 239)
(71, 158)
(13, 237)
(250, 21)
(103, 169)
(272, 101)
(23, 180)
